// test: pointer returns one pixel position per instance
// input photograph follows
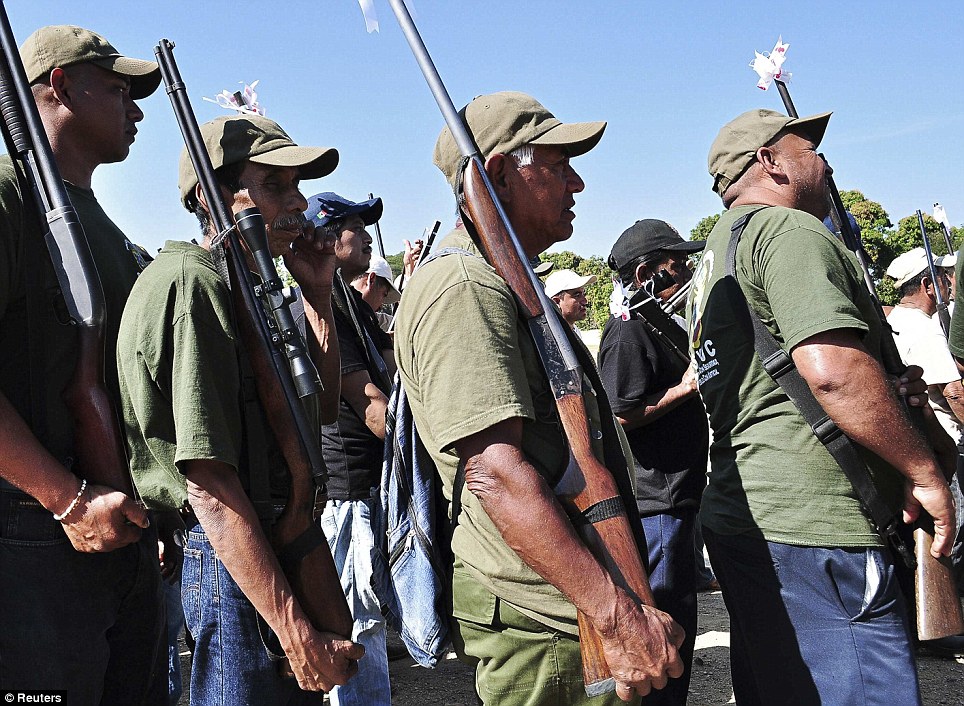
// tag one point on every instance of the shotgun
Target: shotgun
(378, 233)
(938, 606)
(99, 445)
(612, 541)
(283, 374)
(943, 316)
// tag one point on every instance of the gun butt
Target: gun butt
(938, 605)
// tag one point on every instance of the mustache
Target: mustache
(289, 222)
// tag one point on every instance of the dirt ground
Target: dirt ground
(942, 680)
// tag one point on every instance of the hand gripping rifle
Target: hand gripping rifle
(98, 442)
(283, 373)
(611, 540)
(943, 316)
(938, 606)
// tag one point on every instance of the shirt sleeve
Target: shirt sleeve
(810, 285)
(467, 355)
(627, 365)
(205, 386)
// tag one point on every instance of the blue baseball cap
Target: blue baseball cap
(327, 206)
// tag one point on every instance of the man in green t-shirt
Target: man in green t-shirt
(480, 399)
(193, 438)
(79, 581)
(817, 615)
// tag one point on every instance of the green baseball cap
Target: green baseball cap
(502, 122)
(234, 138)
(734, 149)
(63, 45)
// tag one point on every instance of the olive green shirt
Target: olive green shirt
(769, 475)
(955, 339)
(178, 369)
(467, 362)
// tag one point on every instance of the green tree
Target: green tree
(701, 230)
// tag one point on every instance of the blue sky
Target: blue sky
(664, 75)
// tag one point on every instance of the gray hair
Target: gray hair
(524, 155)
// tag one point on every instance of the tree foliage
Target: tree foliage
(701, 230)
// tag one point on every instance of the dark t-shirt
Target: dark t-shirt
(25, 263)
(670, 452)
(352, 453)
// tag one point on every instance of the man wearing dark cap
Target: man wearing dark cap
(481, 402)
(78, 565)
(817, 615)
(354, 444)
(199, 442)
(652, 389)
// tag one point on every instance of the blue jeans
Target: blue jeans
(90, 624)
(175, 621)
(811, 625)
(348, 527)
(672, 576)
(231, 666)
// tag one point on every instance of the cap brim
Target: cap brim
(145, 76)
(814, 126)
(688, 246)
(393, 295)
(312, 162)
(577, 138)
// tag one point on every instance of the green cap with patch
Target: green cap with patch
(64, 45)
(734, 149)
(502, 122)
(234, 138)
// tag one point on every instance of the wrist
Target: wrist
(72, 506)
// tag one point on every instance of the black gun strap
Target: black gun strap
(779, 366)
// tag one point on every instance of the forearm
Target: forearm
(655, 406)
(323, 348)
(232, 527)
(25, 463)
(857, 395)
(534, 525)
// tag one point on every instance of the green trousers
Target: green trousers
(518, 661)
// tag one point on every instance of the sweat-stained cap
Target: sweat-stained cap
(63, 45)
(234, 138)
(907, 266)
(734, 149)
(502, 122)
(648, 236)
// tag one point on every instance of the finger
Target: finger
(626, 693)
(675, 668)
(135, 513)
(350, 650)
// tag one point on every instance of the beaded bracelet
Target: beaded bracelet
(73, 503)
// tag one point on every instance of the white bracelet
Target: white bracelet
(73, 503)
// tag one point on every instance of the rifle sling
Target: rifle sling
(301, 546)
(779, 366)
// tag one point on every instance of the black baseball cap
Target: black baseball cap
(648, 236)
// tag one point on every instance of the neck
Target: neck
(921, 302)
(73, 161)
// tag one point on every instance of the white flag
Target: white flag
(941, 216)
(371, 19)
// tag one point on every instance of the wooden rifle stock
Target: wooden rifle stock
(611, 540)
(99, 446)
(938, 606)
(312, 574)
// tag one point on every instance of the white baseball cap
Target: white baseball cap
(379, 265)
(907, 266)
(563, 280)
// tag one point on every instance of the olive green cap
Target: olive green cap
(734, 149)
(502, 122)
(234, 138)
(63, 45)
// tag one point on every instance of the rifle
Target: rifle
(378, 233)
(612, 540)
(938, 606)
(270, 343)
(99, 446)
(943, 316)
